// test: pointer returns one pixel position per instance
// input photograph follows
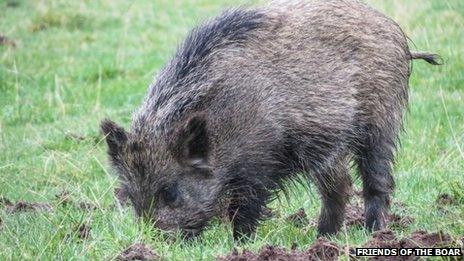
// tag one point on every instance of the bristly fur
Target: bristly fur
(256, 97)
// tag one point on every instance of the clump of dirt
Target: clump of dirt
(5, 41)
(87, 206)
(398, 221)
(445, 199)
(322, 249)
(298, 219)
(355, 217)
(382, 239)
(268, 253)
(138, 251)
(387, 239)
(84, 231)
(121, 196)
(424, 239)
(5, 202)
(22, 206)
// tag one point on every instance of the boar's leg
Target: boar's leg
(375, 166)
(245, 210)
(334, 185)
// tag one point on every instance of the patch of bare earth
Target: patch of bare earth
(387, 239)
(138, 251)
(84, 232)
(355, 217)
(322, 249)
(446, 199)
(64, 198)
(23, 206)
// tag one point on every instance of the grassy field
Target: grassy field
(76, 62)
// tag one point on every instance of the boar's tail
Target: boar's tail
(431, 58)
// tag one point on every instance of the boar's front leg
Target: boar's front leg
(245, 209)
(334, 185)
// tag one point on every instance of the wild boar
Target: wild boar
(259, 96)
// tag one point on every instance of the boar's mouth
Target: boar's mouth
(192, 232)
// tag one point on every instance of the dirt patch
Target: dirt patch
(298, 219)
(5, 41)
(121, 196)
(138, 251)
(268, 253)
(387, 239)
(383, 238)
(64, 198)
(355, 217)
(4, 202)
(322, 249)
(424, 239)
(22, 206)
(399, 221)
(445, 199)
(87, 206)
(84, 232)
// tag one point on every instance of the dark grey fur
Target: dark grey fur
(254, 97)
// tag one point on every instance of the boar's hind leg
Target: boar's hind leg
(375, 163)
(334, 186)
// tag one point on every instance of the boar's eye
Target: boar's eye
(169, 194)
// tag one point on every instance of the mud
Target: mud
(322, 249)
(138, 251)
(298, 219)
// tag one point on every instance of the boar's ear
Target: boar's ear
(193, 143)
(115, 136)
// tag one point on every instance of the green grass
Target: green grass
(76, 62)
